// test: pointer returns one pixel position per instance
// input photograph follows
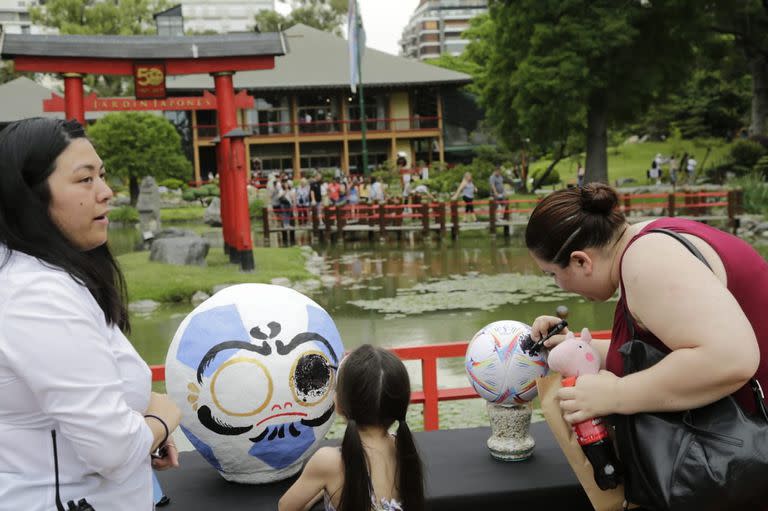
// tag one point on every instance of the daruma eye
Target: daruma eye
(241, 387)
(311, 378)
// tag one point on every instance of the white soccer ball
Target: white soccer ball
(253, 369)
(498, 368)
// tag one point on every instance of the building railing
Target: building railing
(329, 126)
(430, 394)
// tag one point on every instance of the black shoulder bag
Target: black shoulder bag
(706, 459)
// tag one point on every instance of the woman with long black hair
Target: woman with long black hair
(68, 375)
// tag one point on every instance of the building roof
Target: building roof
(174, 11)
(22, 98)
(142, 47)
(317, 60)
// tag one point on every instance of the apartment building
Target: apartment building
(436, 27)
(15, 18)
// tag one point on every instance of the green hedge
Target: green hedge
(124, 214)
(173, 184)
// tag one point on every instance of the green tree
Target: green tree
(714, 100)
(7, 72)
(475, 56)
(138, 144)
(747, 21)
(327, 15)
(98, 17)
(561, 72)
(455, 63)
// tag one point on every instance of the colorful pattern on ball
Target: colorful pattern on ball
(498, 368)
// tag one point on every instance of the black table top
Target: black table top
(460, 475)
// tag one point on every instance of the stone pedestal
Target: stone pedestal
(510, 427)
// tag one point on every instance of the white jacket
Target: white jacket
(62, 367)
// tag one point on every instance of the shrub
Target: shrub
(189, 194)
(173, 184)
(552, 179)
(755, 193)
(761, 167)
(446, 181)
(746, 153)
(255, 208)
(201, 192)
(183, 214)
(210, 190)
(124, 214)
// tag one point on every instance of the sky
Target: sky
(384, 21)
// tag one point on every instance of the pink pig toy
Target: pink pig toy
(572, 358)
(575, 356)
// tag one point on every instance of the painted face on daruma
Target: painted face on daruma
(253, 369)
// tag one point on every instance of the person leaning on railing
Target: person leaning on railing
(66, 368)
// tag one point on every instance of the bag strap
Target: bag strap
(59, 505)
(754, 385)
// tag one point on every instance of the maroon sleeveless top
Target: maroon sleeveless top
(747, 274)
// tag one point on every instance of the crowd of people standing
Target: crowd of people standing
(313, 191)
(289, 200)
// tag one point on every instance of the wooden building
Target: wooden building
(305, 118)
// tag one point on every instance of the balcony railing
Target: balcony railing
(335, 126)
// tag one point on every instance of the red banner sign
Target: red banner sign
(95, 104)
(149, 80)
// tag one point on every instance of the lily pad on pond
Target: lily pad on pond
(463, 292)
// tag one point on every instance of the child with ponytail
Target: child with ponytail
(373, 470)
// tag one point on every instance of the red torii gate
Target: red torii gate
(150, 59)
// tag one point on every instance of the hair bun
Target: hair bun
(598, 199)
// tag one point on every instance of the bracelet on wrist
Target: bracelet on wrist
(159, 452)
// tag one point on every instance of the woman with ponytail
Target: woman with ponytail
(373, 470)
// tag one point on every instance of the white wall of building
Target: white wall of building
(222, 15)
(15, 19)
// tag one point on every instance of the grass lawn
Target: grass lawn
(170, 283)
(632, 160)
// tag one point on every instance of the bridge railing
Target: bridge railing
(431, 394)
(429, 216)
(684, 203)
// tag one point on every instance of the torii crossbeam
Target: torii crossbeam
(155, 57)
